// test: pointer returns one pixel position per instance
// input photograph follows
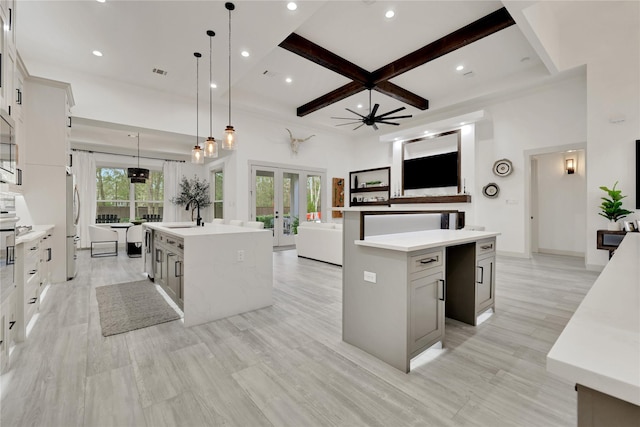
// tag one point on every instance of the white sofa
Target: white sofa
(321, 241)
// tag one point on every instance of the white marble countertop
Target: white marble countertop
(36, 232)
(189, 229)
(600, 346)
(418, 240)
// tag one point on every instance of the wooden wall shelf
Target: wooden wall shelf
(461, 198)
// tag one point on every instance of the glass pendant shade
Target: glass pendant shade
(138, 180)
(211, 147)
(229, 141)
(197, 156)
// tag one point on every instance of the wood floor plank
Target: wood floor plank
(287, 364)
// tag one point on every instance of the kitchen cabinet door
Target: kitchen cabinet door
(426, 312)
(485, 282)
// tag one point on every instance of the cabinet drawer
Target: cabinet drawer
(426, 261)
(485, 246)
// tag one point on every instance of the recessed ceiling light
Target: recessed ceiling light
(426, 132)
(389, 14)
(100, 1)
(244, 53)
(288, 80)
(292, 5)
(460, 68)
(214, 86)
(97, 53)
(359, 105)
(462, 123)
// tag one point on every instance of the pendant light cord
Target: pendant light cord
(138, 150)
(229, 67)
(210, 88)
(197, 55)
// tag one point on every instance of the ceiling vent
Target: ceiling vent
(469, 74)
(159, 71)
(268, 73)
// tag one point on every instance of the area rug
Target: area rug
(134, 305)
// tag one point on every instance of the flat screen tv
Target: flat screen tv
(440, 170)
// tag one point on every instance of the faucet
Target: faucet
(198, 219)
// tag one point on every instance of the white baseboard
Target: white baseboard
(559, 252)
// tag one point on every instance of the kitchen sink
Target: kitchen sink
(181, 226)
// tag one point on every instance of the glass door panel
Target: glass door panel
(314, 198)
(290, 207)
(264, 199)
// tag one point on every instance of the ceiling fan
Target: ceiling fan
(371, 119)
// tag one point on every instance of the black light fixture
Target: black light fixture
(210, 145)
(138, 175)
(197, 156)
(229, 141)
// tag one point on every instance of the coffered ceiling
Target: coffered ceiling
(56, 39)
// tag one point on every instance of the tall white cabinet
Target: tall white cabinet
(47, 155)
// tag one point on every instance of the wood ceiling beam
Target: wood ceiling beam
(402, 95)
(483, 27)
(379, 79)
(330, 98)
(321, 56)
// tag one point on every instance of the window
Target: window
(112, 194)
(149, 197)
(217, 177)
(120, 201)
(314, 198)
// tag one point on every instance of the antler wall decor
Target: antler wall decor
(295, 142)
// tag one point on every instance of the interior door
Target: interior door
(276, 199)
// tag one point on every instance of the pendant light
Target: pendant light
(197, 156)
(138, 175)
(210, 145)
(229, 141)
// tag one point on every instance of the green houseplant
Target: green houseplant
(193, 189)
(612, 206)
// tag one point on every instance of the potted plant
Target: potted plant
(612, 207)
(193, 189)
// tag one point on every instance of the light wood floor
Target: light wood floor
(286, 365)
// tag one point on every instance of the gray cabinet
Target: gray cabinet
(426, 312)
(169, 265)
(485, 283)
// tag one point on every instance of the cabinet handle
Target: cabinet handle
(177, 272)
(69, 122)
(19, 97)
(32, 301)
(428, 261)
(158, 255)
(444, 289)
(489, 246)
(481, 275)
(33, 248)
(48, 254)
(33, 271)
(171, 242)
(11, 324)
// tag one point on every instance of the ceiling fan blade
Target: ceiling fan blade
(357, 114)
(375, 109)
(393, 111)
(374, 126)
(358, 127)
(345, 118)
(394, 117)
(388, 123)
(350, 123)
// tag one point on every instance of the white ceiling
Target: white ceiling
(137, 36)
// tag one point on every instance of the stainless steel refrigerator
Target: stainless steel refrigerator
(73, 213)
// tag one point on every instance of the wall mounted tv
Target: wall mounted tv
(440, 170)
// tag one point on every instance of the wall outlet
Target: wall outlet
(369, 277)
(240, 255)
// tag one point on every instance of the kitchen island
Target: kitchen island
(398, 287)
(213, 271)
(599, 349)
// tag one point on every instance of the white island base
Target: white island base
(226, 270)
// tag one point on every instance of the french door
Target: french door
(281, 198)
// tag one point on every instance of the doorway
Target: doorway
(282, 197)
(557, 204)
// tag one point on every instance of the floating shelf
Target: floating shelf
(461, 198)
(369, 189)
(375, 203)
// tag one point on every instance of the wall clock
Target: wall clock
(502, 167)
(491, 190)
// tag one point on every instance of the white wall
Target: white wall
(561, 209)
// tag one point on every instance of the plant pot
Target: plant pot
(613, 226)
